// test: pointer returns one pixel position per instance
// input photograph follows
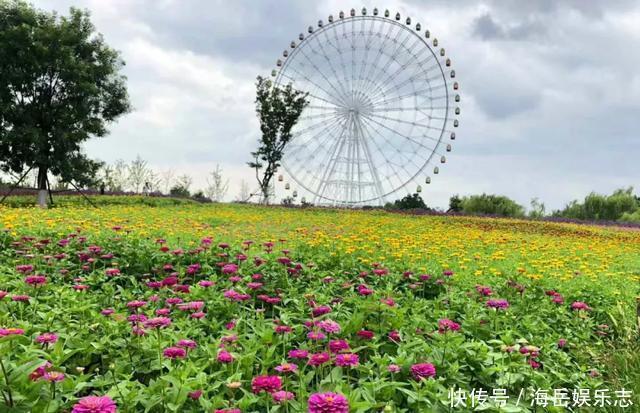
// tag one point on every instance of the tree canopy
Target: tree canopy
(60, 86)
(278, 110)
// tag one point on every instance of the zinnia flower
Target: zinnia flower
(347, 360)
(286, 368)
(282, 396)
(95, 404)
(174, 353)
(579, 305)
(225, 357)
(328, 403)
(498, 304)
(422, 371)
(337, 346)
(319, 359)
(445, 325)
(269, 384)
(47, 338)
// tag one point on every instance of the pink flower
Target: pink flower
(338, 346)
(112, 272)
(40, 371)
(225, 357)
(282, 396)
(319, 359)
(329, 326)
(283, 329)
(394, 336)
(95, 404)
(298, 354)
(53, 376)
(174, 353)
(321, 310)
(445, 325)
(579, 305)
(11, 332)
(195, 395)
(287, 368)
(347, 360)
(393, 368)
(47, 338)
(157, 322)
(36, 280)
(328, 403)
(562, 342)
(228, 411)
(316, 335)
(423, 370)
(206, 283)
(269, 384)
(365, 334)
(184, 343)
(136, 304)
(483, 290)
(20, 298)
(498, 304)
(229, 269)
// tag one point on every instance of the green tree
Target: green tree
(60, 86)
(413, 201)
(537, 210)
(486, 204)
(621, 203)
(278, 110)
(455, 204)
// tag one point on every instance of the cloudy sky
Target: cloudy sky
(551, 88)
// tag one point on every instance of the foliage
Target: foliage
(278, 110)
(537, 210)
(410, 201)
(455, 204)
(60, 87)
(369, 269)
(180, 191)
(621, 203)
(491, 205)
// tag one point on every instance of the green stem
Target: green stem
(6, 379)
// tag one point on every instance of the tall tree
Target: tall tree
(60, 86)
(217, 186)
(278, 109)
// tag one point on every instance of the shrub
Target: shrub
(486, 204)
(413, 201)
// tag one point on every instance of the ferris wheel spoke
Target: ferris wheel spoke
(319, 144)
(375, 63)
(408, 95)
(422, 125)
(389, 79)
(398, 46)
(325, 55)
(388, 162)
(300, 140)
(337, 103)
(406, 138)
(326, 79)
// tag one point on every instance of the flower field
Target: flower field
(228, 308)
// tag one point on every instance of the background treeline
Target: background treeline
(621, 206)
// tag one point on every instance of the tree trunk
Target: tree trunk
(42, 187)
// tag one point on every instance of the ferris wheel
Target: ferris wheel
(382, 107)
